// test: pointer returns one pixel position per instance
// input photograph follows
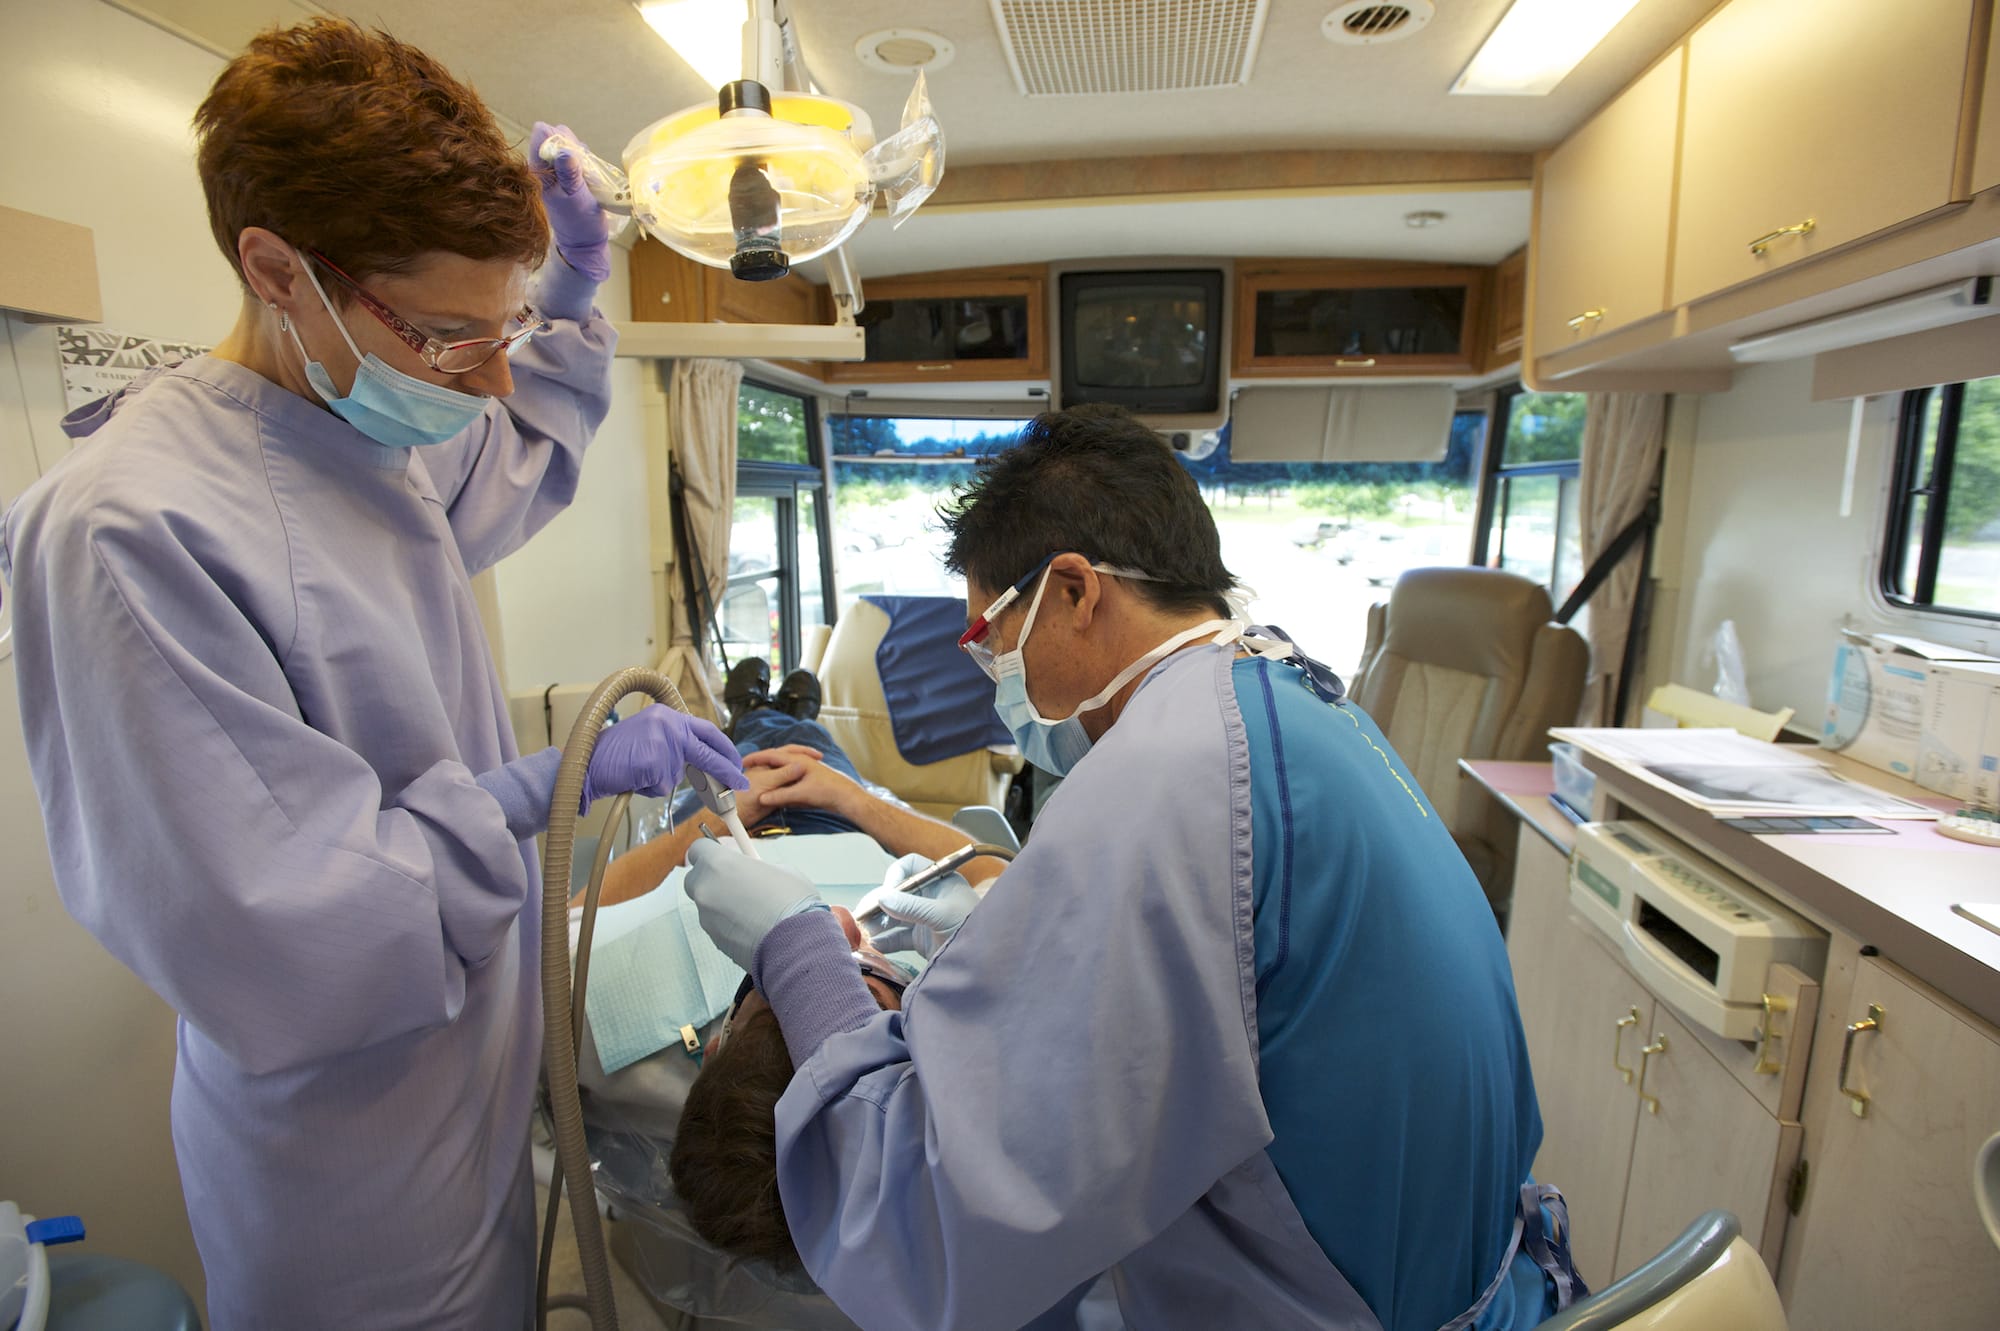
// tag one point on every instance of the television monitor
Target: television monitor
(1146, 340)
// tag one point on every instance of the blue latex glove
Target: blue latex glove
(583, 232)
(646, 753)
(922, 921)
(739, 898)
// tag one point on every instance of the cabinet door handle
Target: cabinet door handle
(1763, 243)
(1353, 363)
(1766, 1065)
(1631, 1018)
(1857, 1100)
(926, 369)
(1588, 316)
(1658, 1046)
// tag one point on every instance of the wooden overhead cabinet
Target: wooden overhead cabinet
(670, 288)
(1812, 123)
(1333, 319)
(975, 324)
(1604, 204)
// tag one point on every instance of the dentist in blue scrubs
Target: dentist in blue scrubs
(272, 750)
(1236, 1027)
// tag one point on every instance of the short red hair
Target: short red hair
(362, 147)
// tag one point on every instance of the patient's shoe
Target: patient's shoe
(798, 696)
(748, 687)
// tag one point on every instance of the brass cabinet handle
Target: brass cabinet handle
(1588, 316)
(1766, 1065)
(1631, 1018)
(924, 369)
(1858, 1100)
(1658, 1046)
(1762, 243)
(1346, 363)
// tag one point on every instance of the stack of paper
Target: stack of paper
(1733, 776)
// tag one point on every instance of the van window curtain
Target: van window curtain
(1623, 434)
(701, 439)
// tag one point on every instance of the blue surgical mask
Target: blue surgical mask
(390, 407)
(1057, 746)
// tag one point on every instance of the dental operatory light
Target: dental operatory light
(1537, 44)
(767, 175)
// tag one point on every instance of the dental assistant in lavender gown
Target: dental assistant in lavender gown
(272, 750)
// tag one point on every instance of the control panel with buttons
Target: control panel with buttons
(1698, 935)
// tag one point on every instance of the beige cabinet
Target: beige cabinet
(1604, 205)
(1646, 1122)
(1703, 1141)
(1890, 1234)
(1986, 144)
(1811, 123)
(1585, 1020)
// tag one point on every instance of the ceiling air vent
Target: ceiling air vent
(1368, 22)
(1073, 48)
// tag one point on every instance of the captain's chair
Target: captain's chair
(911, 710)
(1707, 1279)
(1464, 663)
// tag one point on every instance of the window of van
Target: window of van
(1942, 547)
(1320, 542)
(780, 549)
(1529, 521)
(890, 475)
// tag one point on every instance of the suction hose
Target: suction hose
(560, 1013)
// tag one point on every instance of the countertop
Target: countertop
(1892, 892)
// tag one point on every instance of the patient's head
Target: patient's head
(725, 1157)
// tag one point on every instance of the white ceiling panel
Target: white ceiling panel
(596, 65)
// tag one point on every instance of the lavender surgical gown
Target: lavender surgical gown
(256, 694)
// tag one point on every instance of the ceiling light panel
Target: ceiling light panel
(1073, 48)
(707, 34)
(1537, 44)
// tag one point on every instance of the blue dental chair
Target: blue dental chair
(911, 710)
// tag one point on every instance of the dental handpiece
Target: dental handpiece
(868, 911)
(720, 800)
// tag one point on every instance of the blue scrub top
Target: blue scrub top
(1348, 853)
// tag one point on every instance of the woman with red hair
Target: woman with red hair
(272, 749)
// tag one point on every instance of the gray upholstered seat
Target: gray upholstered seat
(1464, 663)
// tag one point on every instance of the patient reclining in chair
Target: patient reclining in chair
(801, 783)
(725, 1156)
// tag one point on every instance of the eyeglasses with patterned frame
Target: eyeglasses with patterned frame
(444, 357)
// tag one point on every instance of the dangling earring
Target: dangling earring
(284, 319)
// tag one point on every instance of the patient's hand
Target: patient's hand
(769, 770)
(808, 783)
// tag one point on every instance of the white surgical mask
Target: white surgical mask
(390, 407)
(1057, 746)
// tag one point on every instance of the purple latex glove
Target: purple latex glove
(645, 753)
(583, 232)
